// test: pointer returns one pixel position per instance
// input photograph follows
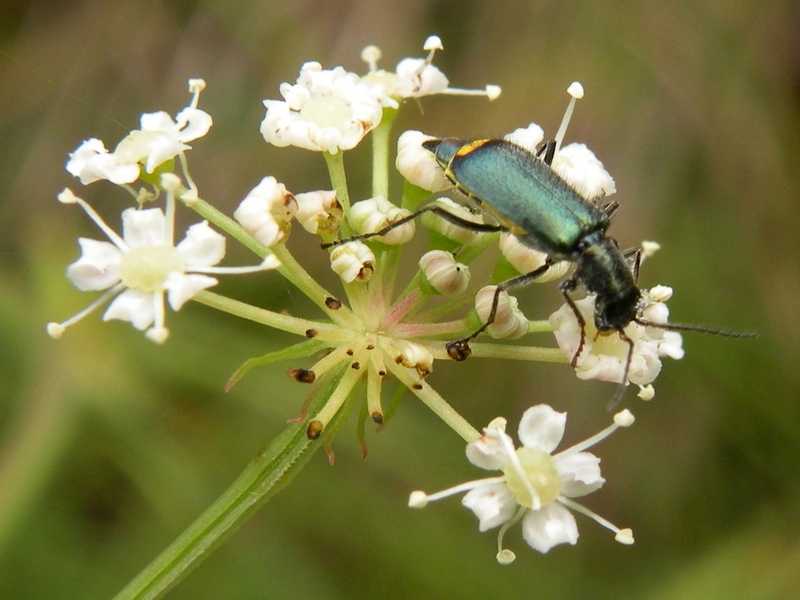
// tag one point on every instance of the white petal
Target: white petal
(580, 474)
(492, 503)
(83, 153)
(490, 451)
(548, 527)
(542, 428)
(98, 266)
(157, 121)
(202, 246)
(671, 345)
(182, 287)
(528, 137)
(144, 227)
(198, 122)
(579, 167)
(134, 306)
(162, 148)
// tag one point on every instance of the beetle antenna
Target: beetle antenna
(698, 328)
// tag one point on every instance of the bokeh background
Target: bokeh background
(111, 446)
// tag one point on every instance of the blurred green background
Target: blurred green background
(110, 446)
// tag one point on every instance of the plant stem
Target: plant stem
(266, 474)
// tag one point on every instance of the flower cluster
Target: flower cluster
(367, 332)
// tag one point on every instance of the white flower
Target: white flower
(92, 162)
(535, 485)
(143, 265)
(374, 214)
(267, 211)
(160, 139)
(325, 111)
(603, 356)
(414, 77)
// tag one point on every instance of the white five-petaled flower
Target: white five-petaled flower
(414, 77)
(143, 265)
(160, 139)
(326, 110)
(603, 357)
(536, 486)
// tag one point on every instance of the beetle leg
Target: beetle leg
(634, 258)
(547, 151)
(566, 287)
(624, 383)
(459, 349)
(456, 220)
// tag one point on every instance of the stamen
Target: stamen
(169, 221)
(158, 335)
(462, 487)
(191, 195)
(491, 92)
(432, 44)
(623, 536)
(371, 55)
(55, 330)
(195, 87)
(112, 235)
(575, 90)
(505, 556)
(623, 418)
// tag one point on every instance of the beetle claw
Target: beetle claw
(458, 350)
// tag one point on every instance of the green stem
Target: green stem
(324, 331)
(228, 225)
(267, 473)
(289, 268)
(335, 163)
(435, 402)
(380, 154)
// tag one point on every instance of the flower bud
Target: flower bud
(353, 261)
(267, 211)
(319, 212)
(417, 164)
(509, 322)
(370, 216)
(451, 231)
(525, 259)
(414, 356)
(445, 275)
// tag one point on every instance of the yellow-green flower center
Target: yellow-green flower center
(146, 268)
(326, 111)
(538, 473)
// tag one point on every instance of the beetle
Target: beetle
(528, 199)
